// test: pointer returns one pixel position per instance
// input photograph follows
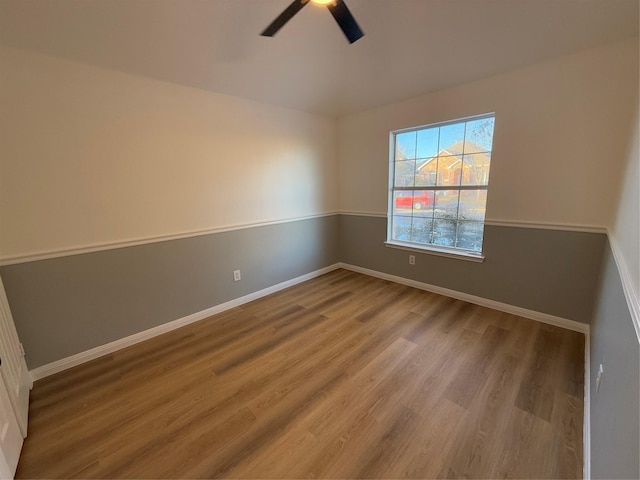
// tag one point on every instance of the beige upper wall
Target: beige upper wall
(561, 138)
(90, 156)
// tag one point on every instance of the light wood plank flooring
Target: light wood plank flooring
(344, 376)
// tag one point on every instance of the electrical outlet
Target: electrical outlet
(412, 259)
(237, 276)
(599, 377)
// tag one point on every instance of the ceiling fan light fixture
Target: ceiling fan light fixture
(337, 8)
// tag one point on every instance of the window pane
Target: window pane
(475, 170)
(446, 204)
(470, 236)
(451, 139)
(473, 205)
(402, 203)
(479, 136)
(404, 173)
(426, 172)
(423, 203)
(416, 202)
(428, 142)
(449, 170)
(406, 146)
(444, 232)
(401, 228)
(421, 230)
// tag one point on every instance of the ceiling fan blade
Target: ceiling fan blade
(347, 23)
(284, 17)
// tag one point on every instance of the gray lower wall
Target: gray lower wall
(549, 271)
(615, 422)
(67, 305)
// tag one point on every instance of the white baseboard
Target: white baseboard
(88, 355)
(586, 427)
(82, 357)
(503, 307)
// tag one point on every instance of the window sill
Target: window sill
(441, 252)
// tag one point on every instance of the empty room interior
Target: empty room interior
(319, 239)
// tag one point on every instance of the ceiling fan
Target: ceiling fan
(337, 8)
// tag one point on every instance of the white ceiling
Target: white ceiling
(411, 47)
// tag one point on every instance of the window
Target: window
(439, 178)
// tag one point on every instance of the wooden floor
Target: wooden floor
(344, 376)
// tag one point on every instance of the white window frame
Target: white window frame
(451, 252)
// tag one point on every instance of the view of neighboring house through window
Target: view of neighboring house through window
(439, 180)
